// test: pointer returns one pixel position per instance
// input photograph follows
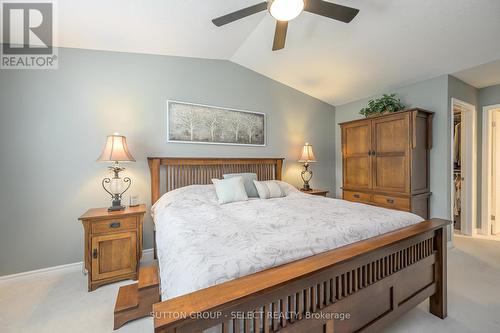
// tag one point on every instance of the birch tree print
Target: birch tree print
(192, 123)
(253, 124)
(213, 121)
(235, 122)
(188, 120)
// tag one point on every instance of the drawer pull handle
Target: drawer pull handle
(356, 196)
(391, 201)
(94, 254)
(114, 225)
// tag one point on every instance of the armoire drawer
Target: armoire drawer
(357, 196)
(392, 202)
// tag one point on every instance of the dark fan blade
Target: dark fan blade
(220, 21)
(280, 35)
(331, 10)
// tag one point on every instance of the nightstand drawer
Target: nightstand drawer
(112, 225)
(357, 196)
(392, 202)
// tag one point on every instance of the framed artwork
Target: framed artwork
(196, 123)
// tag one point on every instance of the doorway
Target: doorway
(463, 169)
(490, 219)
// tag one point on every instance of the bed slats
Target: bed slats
(171, 173)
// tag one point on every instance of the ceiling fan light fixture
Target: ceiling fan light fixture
(286, 10)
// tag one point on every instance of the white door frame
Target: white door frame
(496, 163)
(486, 169)
(468, 226)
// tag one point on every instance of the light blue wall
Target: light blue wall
(431, 95)
(54, 123)
(489, 96)
(462, 91)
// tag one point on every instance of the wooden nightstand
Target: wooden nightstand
(322, 193)
(113, 244)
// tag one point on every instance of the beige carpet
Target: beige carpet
(59, 302)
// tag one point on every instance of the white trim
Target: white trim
(215, 143)
(147, 255)
(68, 267)
(451, 166)
(468, 168)
(485, 161)
(494, 229)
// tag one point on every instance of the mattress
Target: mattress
(201, 243)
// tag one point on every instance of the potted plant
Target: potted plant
(385, 104)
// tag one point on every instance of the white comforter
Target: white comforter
(201, 243)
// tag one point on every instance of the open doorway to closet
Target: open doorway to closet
(490, 220)
(463, 170)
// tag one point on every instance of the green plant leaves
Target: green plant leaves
(387, 103)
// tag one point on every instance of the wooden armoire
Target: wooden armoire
(385, 160)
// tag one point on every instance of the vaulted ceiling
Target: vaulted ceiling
(389, 44)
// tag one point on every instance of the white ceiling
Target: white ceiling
(389, 44)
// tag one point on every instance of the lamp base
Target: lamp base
(306, 176)
(116, 206)
(306, 188)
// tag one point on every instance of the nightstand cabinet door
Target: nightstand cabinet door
(113, 255)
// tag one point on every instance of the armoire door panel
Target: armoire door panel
(391, 144)
(357, 139)
(390, 173)
(357, 172)
(391, 135)
(356, 146)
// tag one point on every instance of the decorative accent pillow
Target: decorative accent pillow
(230, 190)
(269, 189)
(248, 179)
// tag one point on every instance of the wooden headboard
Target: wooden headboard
(182, 171)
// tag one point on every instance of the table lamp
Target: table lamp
(116, 150)
(306, 158)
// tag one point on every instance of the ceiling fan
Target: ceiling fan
(286, 10)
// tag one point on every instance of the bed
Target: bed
(295, 264)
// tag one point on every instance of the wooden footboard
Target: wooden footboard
(358, 287)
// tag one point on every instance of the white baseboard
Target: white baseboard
(76, 266)
(147, 255)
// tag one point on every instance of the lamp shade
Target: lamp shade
(116, 150)
(307, 154)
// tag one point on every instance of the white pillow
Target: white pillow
(248, 179)
(230, 190)
(269, 189)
